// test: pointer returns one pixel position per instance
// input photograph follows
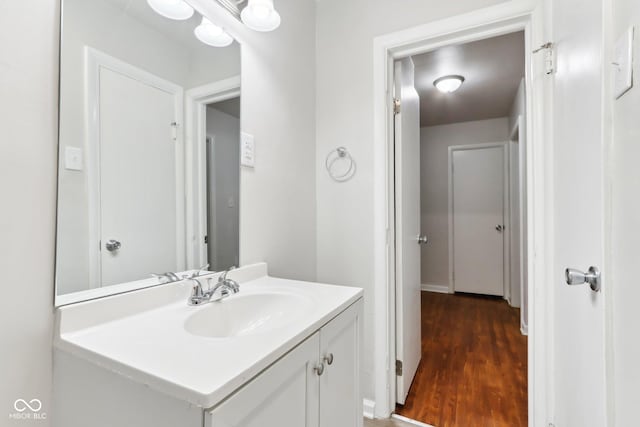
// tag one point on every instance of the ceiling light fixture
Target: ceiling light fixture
(260, 15)
(172, 9)
(448, 84)
(209, 33)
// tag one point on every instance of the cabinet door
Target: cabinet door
(340, 399)
(284, 395)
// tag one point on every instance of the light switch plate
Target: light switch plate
(623, 64)
(73, 158)
(247, 150)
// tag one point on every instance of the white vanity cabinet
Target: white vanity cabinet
(280, 353)
(317, 384)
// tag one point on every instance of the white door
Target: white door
(578, 312)
(137, 179)
(285, 395)
(477, 181)
(407, 188)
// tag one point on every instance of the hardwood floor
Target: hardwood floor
(473, 371)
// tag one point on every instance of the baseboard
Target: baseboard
(432, 287)
(368, 408)
(524, 329)
(409, 421)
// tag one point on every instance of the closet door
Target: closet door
(478, 219)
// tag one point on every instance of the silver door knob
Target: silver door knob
(577, 277)
(112, 245)
(499, 228)
(423, 239)
(319, 369)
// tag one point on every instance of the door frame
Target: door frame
(94, 61)
(196, 101)
(506, 235)
(492, 21)
(516, 137)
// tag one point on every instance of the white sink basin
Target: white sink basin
(250, 314)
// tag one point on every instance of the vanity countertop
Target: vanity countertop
(142, 335)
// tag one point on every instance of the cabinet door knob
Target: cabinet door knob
(319, 370)
(329, 358)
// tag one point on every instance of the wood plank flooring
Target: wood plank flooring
(473, 371)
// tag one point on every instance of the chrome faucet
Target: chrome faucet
(223, 289)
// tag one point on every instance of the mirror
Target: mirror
(149, 137)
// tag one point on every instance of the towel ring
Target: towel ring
(333, 157)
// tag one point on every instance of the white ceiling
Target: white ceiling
(492, 69)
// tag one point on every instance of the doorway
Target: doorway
(223, 183)
(210, 110)
(457, 202)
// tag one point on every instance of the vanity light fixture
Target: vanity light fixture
(172, 9)
(448, 84)
(260, 15)
(209, 33)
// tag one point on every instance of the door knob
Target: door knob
(577, 277)
(423, 239)
(112, 245)
(499, 228)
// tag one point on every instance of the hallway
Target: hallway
(473, 370)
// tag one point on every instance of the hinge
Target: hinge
(396, 106)
(206, 239)
(174, 130)
(549, 57)
(398, 368)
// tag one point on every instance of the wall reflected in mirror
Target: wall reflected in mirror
(147, 182)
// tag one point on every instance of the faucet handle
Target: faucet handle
(223, 276)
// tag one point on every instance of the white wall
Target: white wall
(623, 274)
(28, 111)
(277, 197)
(224, 189)
(434, 187)
(344, 64)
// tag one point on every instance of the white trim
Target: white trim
(409, 421)
(506, 235)
(524, 330)
(196, 101)
(96, 60)
(368, 408)
(518, 126)
(432, 287)
(479, 24)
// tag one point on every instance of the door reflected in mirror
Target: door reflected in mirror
(149, 137)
